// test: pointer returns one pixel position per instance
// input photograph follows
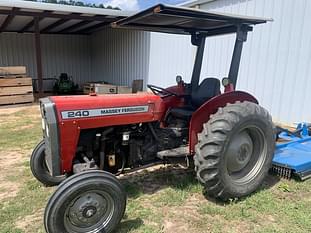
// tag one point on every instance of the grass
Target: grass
(163, 200)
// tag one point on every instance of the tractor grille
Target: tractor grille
(50, 135)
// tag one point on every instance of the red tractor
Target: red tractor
(228, 135)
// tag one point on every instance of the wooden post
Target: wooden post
(38, 56)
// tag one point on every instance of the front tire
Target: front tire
(92, 201)
(235, 150)
(39, 169)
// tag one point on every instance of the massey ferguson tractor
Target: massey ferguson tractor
(89, 140)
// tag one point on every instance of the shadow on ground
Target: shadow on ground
(129, 225)
(174, 176)
(152, 180)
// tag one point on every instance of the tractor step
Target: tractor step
(179, 152)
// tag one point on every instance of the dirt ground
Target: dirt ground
(162, 199)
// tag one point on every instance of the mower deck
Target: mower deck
(293, 156)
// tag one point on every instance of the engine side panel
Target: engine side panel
(76, 113)
(202, 115)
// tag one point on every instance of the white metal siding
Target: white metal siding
(170, 55)
(60, 54)
(276, 60)
(120, 56)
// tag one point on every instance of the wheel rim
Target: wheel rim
(246, 154)
(90, 212)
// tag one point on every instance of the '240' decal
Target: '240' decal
(74, 114)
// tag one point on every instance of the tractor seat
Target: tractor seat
(182, 113)
(208, 88)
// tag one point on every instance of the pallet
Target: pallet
(12, 71)
(15, 89)
(8, 82)
(13, 76)
(19, 90)
(16, 99)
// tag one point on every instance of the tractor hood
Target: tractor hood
(99, 106)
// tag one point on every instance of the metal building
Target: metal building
(50, 39)
(276, 59)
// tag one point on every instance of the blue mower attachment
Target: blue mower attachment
(293, 154)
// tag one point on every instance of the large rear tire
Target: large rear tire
(235, 150)
(92, 201)
(39, 169)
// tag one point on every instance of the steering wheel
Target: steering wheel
(162, 91)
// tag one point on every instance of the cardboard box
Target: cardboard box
(124, 90)
(99, 88)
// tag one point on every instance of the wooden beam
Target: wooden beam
(8, 19)
(75, 26)
(56, 24)
(38, 57)
(54, 15)
(30, 24)
(27, 26)
(93, 28)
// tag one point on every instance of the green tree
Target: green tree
(77, 3)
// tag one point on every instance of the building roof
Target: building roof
(182, 20)
(191, 3)
(21, 16)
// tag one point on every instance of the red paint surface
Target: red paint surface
(202, 115)
(70, 128)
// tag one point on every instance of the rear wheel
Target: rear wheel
(235, 150)
(92, 201)
(39, 168)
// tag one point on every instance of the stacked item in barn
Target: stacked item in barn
(105, 88)
(15, 86)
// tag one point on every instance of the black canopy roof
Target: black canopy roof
(180, 20)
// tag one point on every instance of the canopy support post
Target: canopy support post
(38, 56)
(199, 41)
(241, 37)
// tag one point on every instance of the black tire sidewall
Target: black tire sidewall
(39, 169)
(214, 140)
(80, 183)
(237, 189)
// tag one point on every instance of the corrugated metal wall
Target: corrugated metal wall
(120, 56)
(170, 55)
(276, 60)
(60, 54)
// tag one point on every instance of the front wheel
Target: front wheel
(39, 168)
(235, 150)
(92, 201)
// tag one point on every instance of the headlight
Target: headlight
(43, 123)
(225, 81)
(45, 127)
(47, 131)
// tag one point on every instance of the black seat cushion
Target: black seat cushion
(207, 89)
(182, 113)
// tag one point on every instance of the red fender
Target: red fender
(202, 115)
